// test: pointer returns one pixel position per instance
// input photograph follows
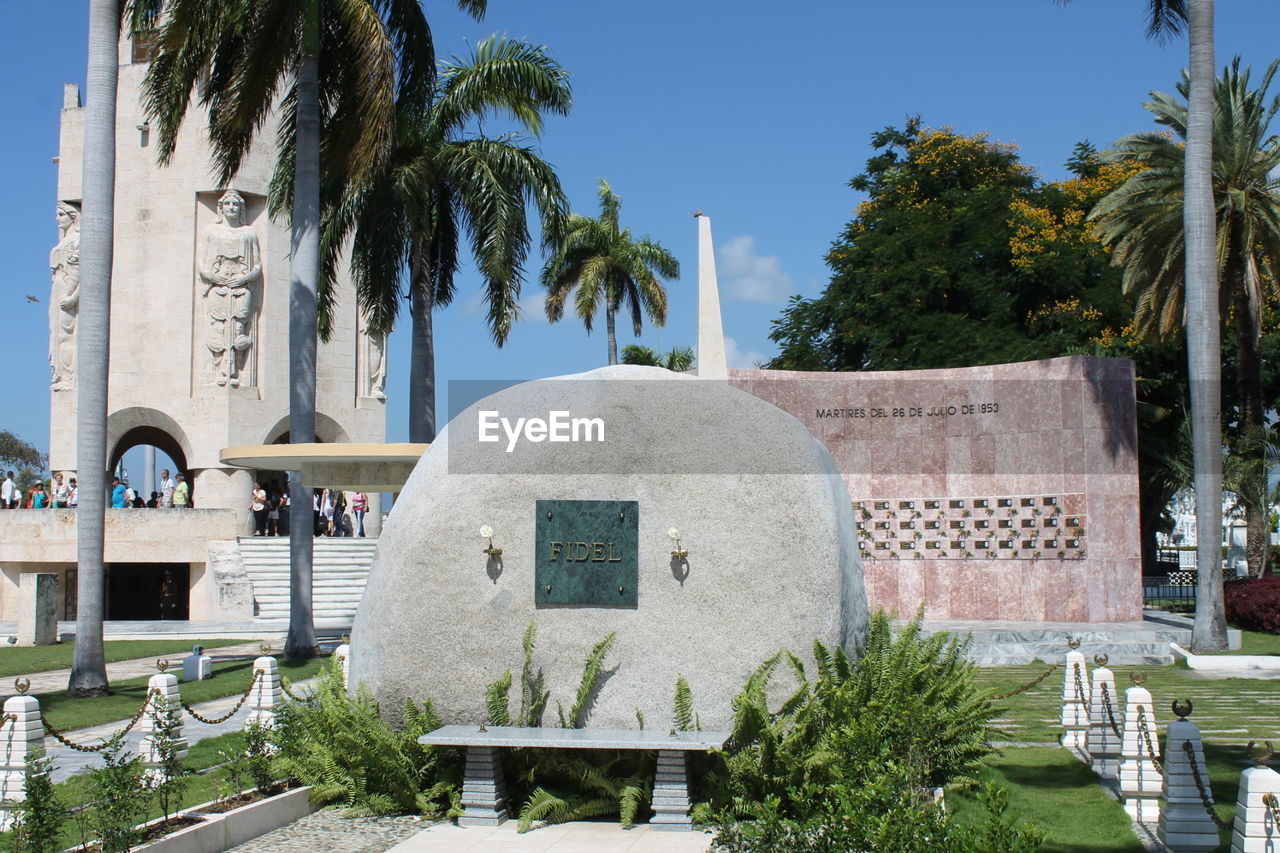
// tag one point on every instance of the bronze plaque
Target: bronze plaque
(587, 553)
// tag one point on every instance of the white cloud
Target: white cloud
(533, 303)
(735, 357)
(750, 276)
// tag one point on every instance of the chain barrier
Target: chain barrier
(213, 721)
(1272, 802)
(284, 685)
(1083, 696)
(1146, 738)
(79, 747)
(1204, 795)
(1048, 672)
(8, 718)
(1106, 705)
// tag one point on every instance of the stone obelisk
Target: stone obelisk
(711, 358)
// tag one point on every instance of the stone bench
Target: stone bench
(484, 794)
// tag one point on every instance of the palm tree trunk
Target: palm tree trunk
(1204, 342)
(422, 356)
(611, 308)
(1249, 389)
(304, 267)
(93, 344)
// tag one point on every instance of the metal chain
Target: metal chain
(284, 685)
(8, 718)
(1084, 698)
(1273, 803)
(1146, 737)
(1204, 796)
(213, 721)
(1048, 672)
(1106, 704)
(78, 747)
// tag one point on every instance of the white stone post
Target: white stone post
(1140, 781)
(1185, 825)
(343, 654)
(163, 700)
(1075, 711)
(1104, 711)
(21, 739)
(266, 693)
(1256, 829)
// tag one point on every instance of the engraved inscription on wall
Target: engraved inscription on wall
(586, 553)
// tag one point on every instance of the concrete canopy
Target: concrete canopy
(362, 467)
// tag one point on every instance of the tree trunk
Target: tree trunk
(1204, 341)
(1249, 390)
(422, 356)
(93, 343)
(304, 268)
(610, 309)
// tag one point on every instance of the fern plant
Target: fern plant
(340, 745)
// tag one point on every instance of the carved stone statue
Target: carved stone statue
(64, 306)
(230, 265)
(378, 366)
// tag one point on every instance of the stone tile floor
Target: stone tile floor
(332, 830)
(577, 837)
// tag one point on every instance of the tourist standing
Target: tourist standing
(326, 511)
(181, 493)
(274, 499)
(167, 487)
(117, 494)
(359, 503)
(130, 496)
(39, 497)
(8, 500)
(259, 509)
(73, 498)
(61, 492)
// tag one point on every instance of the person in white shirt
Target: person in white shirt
(167, 486)
(8, 497)
(73, 499)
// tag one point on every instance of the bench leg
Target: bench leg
(484, 794)
(671, 793)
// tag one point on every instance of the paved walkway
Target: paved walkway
(579, 837)
(55, 680)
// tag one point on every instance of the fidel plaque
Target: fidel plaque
(587, 553)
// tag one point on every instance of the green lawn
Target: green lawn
(25, 661)
(1052, 790)
(229, 679)
(1255, 643)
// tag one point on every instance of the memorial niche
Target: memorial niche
(586, 553)
(230, 268)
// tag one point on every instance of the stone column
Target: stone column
(1256, 826)
(484, 792)
(1140, 781)
(1104, 720)
(373, 516)
(21, 739)
(163, 706)
(671, 793)
(1185, 825)
(37, 609)
(1075, 711)
(266, 693)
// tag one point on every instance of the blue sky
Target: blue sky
(757, 113)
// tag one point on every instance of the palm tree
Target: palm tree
(679, 359)
(440, 183)
(1204, 345)
(93, 334)
(241, 54)
(607, 265)
(1142, 220)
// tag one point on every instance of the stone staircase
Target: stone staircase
(1144, 643)
(340, 567)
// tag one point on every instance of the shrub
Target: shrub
(119, 797)
(909, 709)
(39, 817)
(1254, 603)
(340, 745)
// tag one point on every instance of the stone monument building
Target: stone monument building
(199, 360)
